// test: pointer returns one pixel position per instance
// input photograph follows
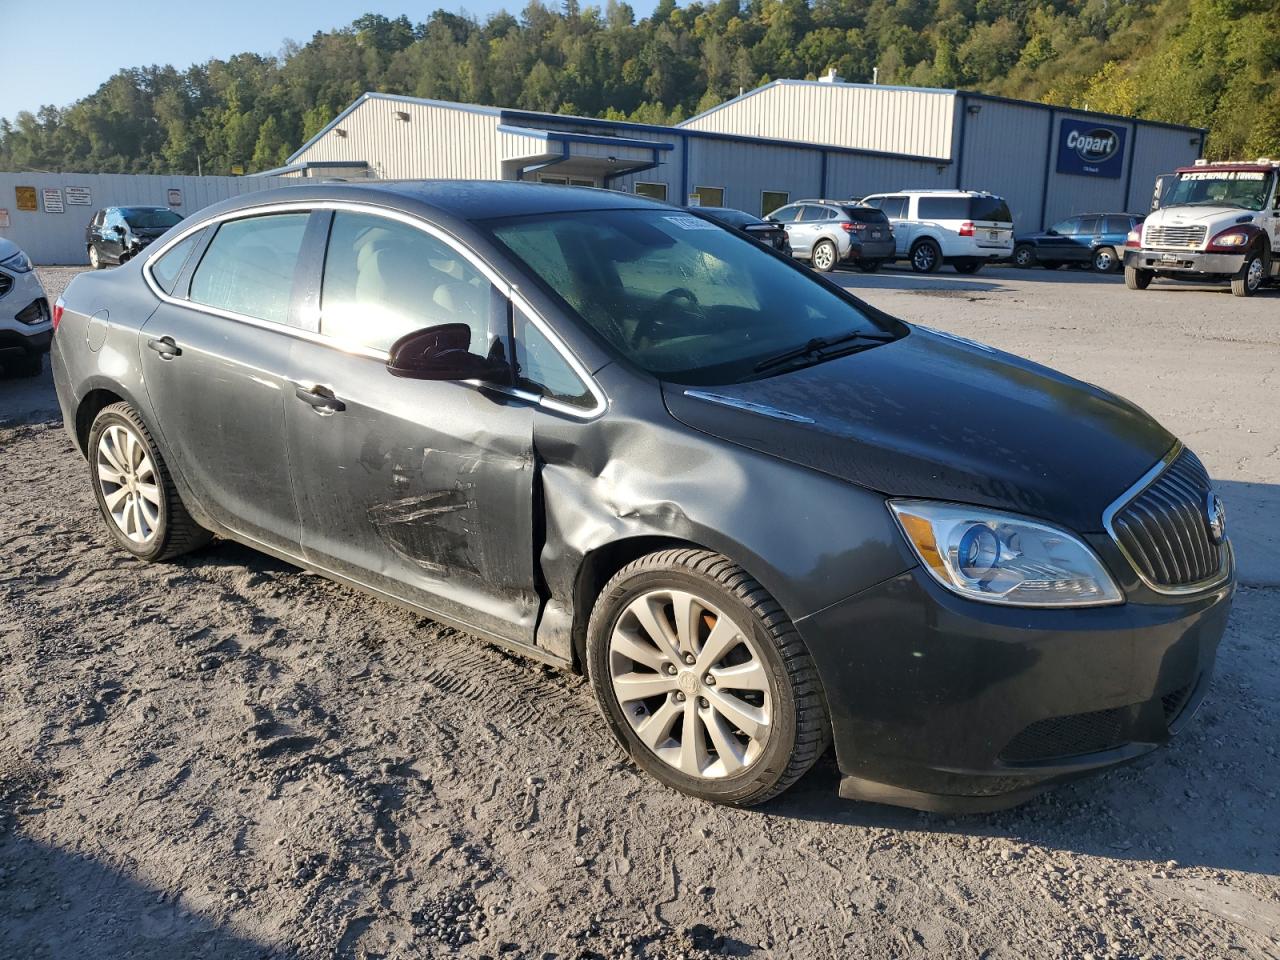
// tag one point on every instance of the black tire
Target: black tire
(25, 365)
(870, 266)
(968, 266)
(1024, 255)
(926, 256)
(800, 727)
(176, 532)
(1105, 260)
(824, 256)
(1251, 276)
(1136, 279)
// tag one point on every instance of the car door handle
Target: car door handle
(320, 399)
(166, 347)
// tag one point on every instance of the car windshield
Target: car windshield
(1247, 189)
(681, 298)
(150, 219)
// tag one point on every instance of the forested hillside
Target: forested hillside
(1213, 63)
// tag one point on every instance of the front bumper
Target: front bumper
(13, 341)
(947, 704)
(1184, 261)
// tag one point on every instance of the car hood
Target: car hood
(1198, 214)
(935, 416)
(8, 248)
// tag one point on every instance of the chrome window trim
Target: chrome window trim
(508, 290)
(1146, 480)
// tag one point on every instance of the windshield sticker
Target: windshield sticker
(691, 223)
(1225, 175)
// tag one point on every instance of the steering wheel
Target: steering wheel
(657, 315)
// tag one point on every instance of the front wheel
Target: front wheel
(926, 257)
(824, 256)
(1136, 279)
(704, 680)
(134, 491)
(95, 258)
(1105, 260)
(1249, 279)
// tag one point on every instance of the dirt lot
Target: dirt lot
(228, 757)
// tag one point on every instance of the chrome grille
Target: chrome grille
(1164, 529)
(6, 283)
(1166, 236)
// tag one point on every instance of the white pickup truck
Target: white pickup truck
(1216, 221)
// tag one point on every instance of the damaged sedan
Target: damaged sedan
(761, 516)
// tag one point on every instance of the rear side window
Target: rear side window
(1089, 225)
(944, 208)
(1117, 225)
(989, 208)
(168, 267)
(248, 268)
(384, 278)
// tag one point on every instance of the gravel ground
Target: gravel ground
(227, 757)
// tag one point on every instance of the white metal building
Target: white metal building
(783, 141)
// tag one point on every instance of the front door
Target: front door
(422, 489)
(216, 366)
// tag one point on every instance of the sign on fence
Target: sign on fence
(53, 200)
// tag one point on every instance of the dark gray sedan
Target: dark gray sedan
(614, 436)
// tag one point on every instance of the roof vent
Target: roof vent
(831, 76)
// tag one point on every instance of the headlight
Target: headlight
(1003, 558)
(1236, 239)
(18, 263)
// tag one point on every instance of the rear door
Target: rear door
(421, 489)
(1087, 238)
(215, 359)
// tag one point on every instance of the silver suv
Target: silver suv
(964, 228)
(830, 232)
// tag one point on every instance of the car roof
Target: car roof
(465, 200)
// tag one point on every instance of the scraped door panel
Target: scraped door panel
(421, 489)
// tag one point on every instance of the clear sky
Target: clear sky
(57, 51)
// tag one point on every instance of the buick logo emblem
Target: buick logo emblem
(1215, 515)
(1094, 146)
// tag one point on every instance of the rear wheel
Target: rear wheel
(134, 491)
(926, 256)
(1024, 255)
(870, 266)
(703, 678)
(824, 256)
(1105, 260)
(1249, 279)
(1136, 279)
(95, 259)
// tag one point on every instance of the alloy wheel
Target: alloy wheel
(1023, 257)
(923, 258)
(823, 257)
(1103, 261)
(691, 683)
(95, 260)
(130, 488)
(1254, 275)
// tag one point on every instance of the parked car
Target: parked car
(758, 512)
(773, 234)
(117, 233)
(961, 227)
(828, 233)
(25, 327)
(1092, 240)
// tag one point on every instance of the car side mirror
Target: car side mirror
(443, 353)
(118, 230)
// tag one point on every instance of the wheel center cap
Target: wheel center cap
(688, 683)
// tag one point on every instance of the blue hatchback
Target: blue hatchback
(1093, 240)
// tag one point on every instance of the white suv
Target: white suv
(26, 327)
(961, 227)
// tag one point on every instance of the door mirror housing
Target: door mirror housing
(118, 230)
(442, 353)
(768, 227)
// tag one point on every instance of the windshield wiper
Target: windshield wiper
(819, 348)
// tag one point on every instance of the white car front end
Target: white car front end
(26, 326)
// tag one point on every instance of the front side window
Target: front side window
(785, 215)
(384, 278)
(677, 296)
(249, 266)
(1088, 226)
(542, 369)
(168, 266)
(1066, 228)
(148, 219)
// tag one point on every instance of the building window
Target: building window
(708, 197)
(558, 181)
(574, 182)
(654, 191)
(771, 200)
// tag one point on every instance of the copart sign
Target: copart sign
(1091, 149)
